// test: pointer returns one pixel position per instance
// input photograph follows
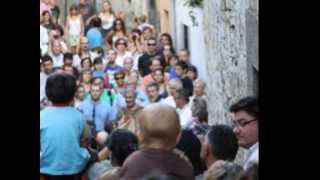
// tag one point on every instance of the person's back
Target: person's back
(60, 132)
(61, 128)
(158, 134)
(148, 160)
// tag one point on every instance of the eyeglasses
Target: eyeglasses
(151, 44)
(118, 78)
(121, 43)
(241, 124)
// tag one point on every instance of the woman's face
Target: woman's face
(74, 12)
(164, 40)
(86, 64)
(106, 7)
(167, 51)
(121, 46)
(158, 76)
(119, 25)
(46, 17)
(173, 62)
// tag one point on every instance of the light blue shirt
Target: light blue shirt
(95, 38)
(60, 133)
(103, 112)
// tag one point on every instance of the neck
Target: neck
(210, 161)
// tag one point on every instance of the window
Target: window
(186, 36)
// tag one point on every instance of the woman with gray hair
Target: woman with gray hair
(224, 170)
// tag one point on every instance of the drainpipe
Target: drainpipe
(173, 22)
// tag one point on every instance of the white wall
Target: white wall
(196, 36)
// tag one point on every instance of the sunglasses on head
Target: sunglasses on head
(151, 44)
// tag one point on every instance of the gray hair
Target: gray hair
(224, 170)
(176, 82)
(130, 90)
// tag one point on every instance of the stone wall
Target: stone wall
(231, 38)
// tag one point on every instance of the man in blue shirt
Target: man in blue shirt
(94, 35)
(97, 113)
(61, 128)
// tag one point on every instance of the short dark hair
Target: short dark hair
(183, 93)
(223, 142)
(185, 50)
(97, 60)
(95, 78)
(82, 60)
(183, 65)
(191, 146)
(193, 69)
(96, 21)
(67, 55)
(248, 104)
(121, 143)
(154, 84)
(119, 73)
(60, 88)
(59, 28)
(46, 58)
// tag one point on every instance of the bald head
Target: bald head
(159, 126)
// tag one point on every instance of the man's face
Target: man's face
(80, 93)
(172, 89)
(47, 67)
(128, 64)
(183, 56)
(87, 77)
(198, 89)
(69, 70)
(68, 62)
(130, 99)
(119, 79)
(56, 48)
(179, 101)
(152, 92)
(245, 128)
(151, 46)
(179, 71)
(95, 92)
(99, 82)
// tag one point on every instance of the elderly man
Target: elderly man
(246, 127)
(141, 98)
(127, 116)
(173, 86)
(56, 53)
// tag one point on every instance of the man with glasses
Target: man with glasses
(144, 60)
(246, 126)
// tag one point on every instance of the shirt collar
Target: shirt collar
(254, 147)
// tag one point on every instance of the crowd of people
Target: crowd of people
(120, 102)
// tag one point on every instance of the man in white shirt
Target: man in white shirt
(44, 40)
(181, 98)
(56, 53)
(246, 127)
(173, 86)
